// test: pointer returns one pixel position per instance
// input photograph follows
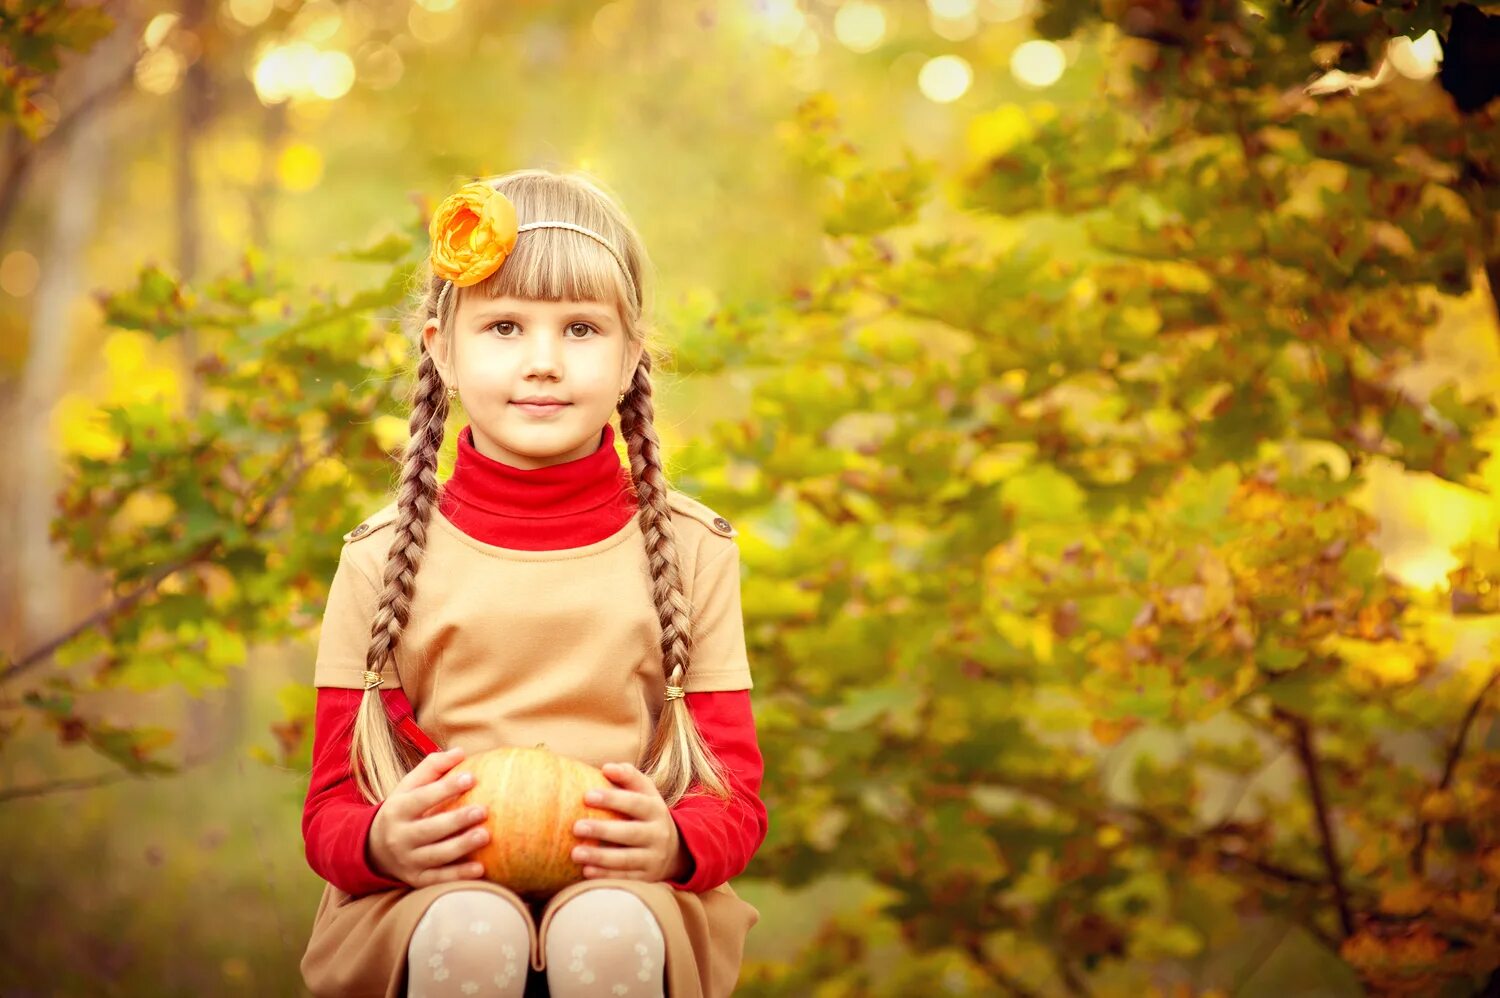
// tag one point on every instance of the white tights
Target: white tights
(601, 943)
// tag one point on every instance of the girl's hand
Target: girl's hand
(644, 847)
(419, 851)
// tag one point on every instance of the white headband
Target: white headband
(442, 295)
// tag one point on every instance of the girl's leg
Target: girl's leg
(603, 943)
(468, 943)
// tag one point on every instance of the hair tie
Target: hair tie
(373, 679)
(674, 692)
(474, 230)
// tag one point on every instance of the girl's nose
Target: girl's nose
(543, 356)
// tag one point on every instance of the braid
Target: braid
(673, 611)
(676, 754)
(415, 499)
(379, 758)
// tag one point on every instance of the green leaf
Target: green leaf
(861, 707)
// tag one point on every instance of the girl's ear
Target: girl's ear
(437, 346)
(634, 362)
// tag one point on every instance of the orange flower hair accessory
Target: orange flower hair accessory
(472, 232)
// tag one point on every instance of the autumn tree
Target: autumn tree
(1077, 642)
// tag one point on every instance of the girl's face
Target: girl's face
(503, 351)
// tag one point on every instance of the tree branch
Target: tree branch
(103, 615)
(1302, 743)
(44, 652)
(23, 158)
(1251, 871)
(1246, 779)
(997, 973)
(55, 786)
(1455, 752)
(88, 782)
(1472, 185)
(1076, 984)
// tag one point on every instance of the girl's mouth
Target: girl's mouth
(541, 408)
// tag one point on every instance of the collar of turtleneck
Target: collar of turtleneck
(564, 505)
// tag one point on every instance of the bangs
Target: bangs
(555, 264)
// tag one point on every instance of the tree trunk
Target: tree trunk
(39, 583)
(212, 722)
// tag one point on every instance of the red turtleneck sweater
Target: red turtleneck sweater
(565, 505)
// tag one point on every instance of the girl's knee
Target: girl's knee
(604, 942)
(467, 942)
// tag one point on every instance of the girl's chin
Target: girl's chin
(541, 438)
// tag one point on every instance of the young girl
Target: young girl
(544, 593)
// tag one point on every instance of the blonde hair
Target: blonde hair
(550, 264)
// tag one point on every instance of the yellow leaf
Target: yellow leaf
(1143, 320)
(80, 427)
(125, 353)
(1190, 601)
(144, 509)
(311, 425)
(1376, 663)
(326, 471)
(1406, 899)
(1109, 732)
(1218, 584)
(1477, 906)
(997, 132)
(1042, 641)
(1000, 461)
(1202, 408)
(1439, 805)
(391, 432)
(299, 167)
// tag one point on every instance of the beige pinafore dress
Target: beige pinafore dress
(510, 647)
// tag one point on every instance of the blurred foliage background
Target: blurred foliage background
(1104, 393)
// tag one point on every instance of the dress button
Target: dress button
(361, 529)
(721, 524)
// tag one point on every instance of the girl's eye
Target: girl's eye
(496, 326)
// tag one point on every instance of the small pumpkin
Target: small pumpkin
(533, 797)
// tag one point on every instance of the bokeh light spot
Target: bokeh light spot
(1037, 63)
(859, 26)
(945, 78)
(299, 167)
(19, 273)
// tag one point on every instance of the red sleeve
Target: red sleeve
(721, 836)
(336, 818)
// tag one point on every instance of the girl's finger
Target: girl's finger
(628, 833)
(596, 872)
(462, 870)
(612, 857)
(624, 774)
(449, 785)
(451, 850)
(432, 767)
(625, 802)
(629, 778)
(439, 826)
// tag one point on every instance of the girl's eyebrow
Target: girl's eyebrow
(597, 315)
